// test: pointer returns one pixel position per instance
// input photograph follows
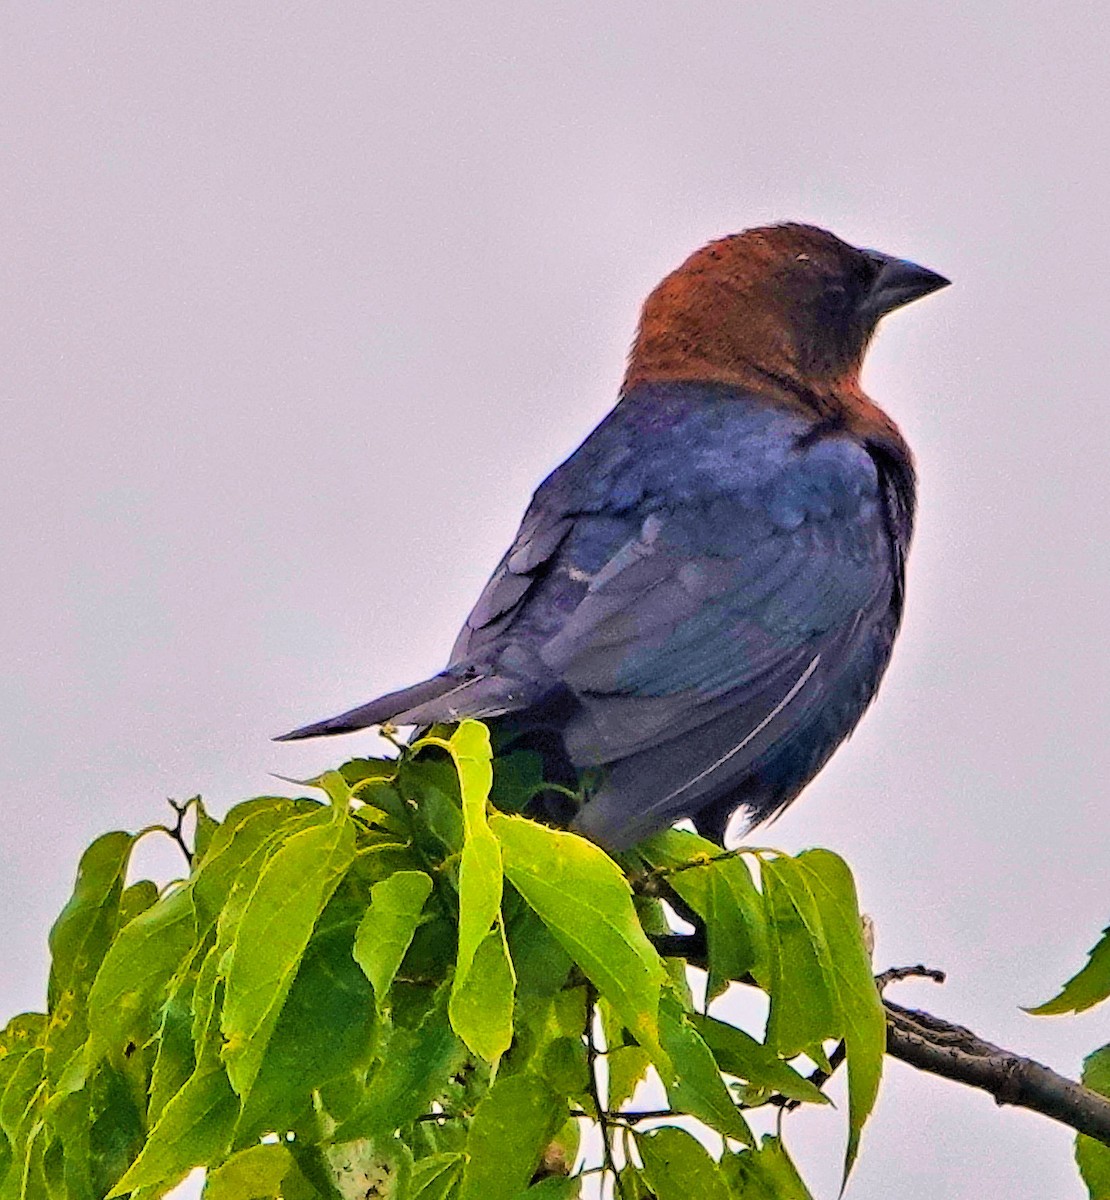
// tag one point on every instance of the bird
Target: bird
(701, 601)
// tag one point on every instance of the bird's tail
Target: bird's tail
(442, 698)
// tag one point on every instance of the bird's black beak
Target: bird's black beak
(898, 282)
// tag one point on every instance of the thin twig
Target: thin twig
(818, 1077)
(663, 872)
(629, 1118)
(177, 833)
(603, 1117)
(725, 856)
(897, 974)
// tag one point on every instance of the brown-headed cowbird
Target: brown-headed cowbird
(701, 601)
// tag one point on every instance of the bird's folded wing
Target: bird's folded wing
(667, 638)
(707, 589)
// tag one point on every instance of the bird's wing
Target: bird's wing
(684, 623)
(718, 597)
(528, 560)
(689, 560)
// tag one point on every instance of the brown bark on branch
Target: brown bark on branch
(936, 1046)
(953, 1052)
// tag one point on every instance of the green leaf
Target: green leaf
(291, 893)
(764, 1174)
(738, 1053)
(433, 1177)
(565, 1068)
(207, 1001)
(22, 1087)
(443, 820)
(297, 985)
(82, 933)
(561, 1153)
(256, 1173)
(18, 1043)
(512, 1126)
(633, 1185)
(803, 1013)
(481, 1008)
(385, 932)
(1085, 989)
(480, 886)
(722, 892)
(23, 1095)
(196, 1124)
(315, 1179)
(239, 884)
(136, 971)
(582, 896)
(554, 1187)
(696, 1087)
(431, 786)
(246, 828)
(483, 986)
(30, 1168)
(325, 1031)
(862, 1020)
(64, 1165)
(734, 927)
(569, 1012)
(517, 777)
(175, 1060)
(377, 861)
(432, 953)
(540, 962)
(628, 1067)
(195, 1128)
(136, 899)
(102, 1128)
(22, 1033)
(469, 746)
(205, 830)
(678, 1167)
(548, 1041)
(358, 770)
(414, 1071)
(78, 942)
(1091, 1156)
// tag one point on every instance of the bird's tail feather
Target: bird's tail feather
(439, 699)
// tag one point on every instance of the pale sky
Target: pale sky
(299, 302)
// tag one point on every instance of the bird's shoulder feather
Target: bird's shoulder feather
(705, 476)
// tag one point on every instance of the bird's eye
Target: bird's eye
(802, 258)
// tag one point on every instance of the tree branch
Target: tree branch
(953, 1052)
(897, 974)
(940, 1048)
(177, 833)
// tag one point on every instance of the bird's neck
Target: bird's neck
(838, 402)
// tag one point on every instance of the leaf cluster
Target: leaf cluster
(404, 990)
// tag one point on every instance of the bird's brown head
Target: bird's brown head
(784, 310)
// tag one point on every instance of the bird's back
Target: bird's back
(709, 577)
